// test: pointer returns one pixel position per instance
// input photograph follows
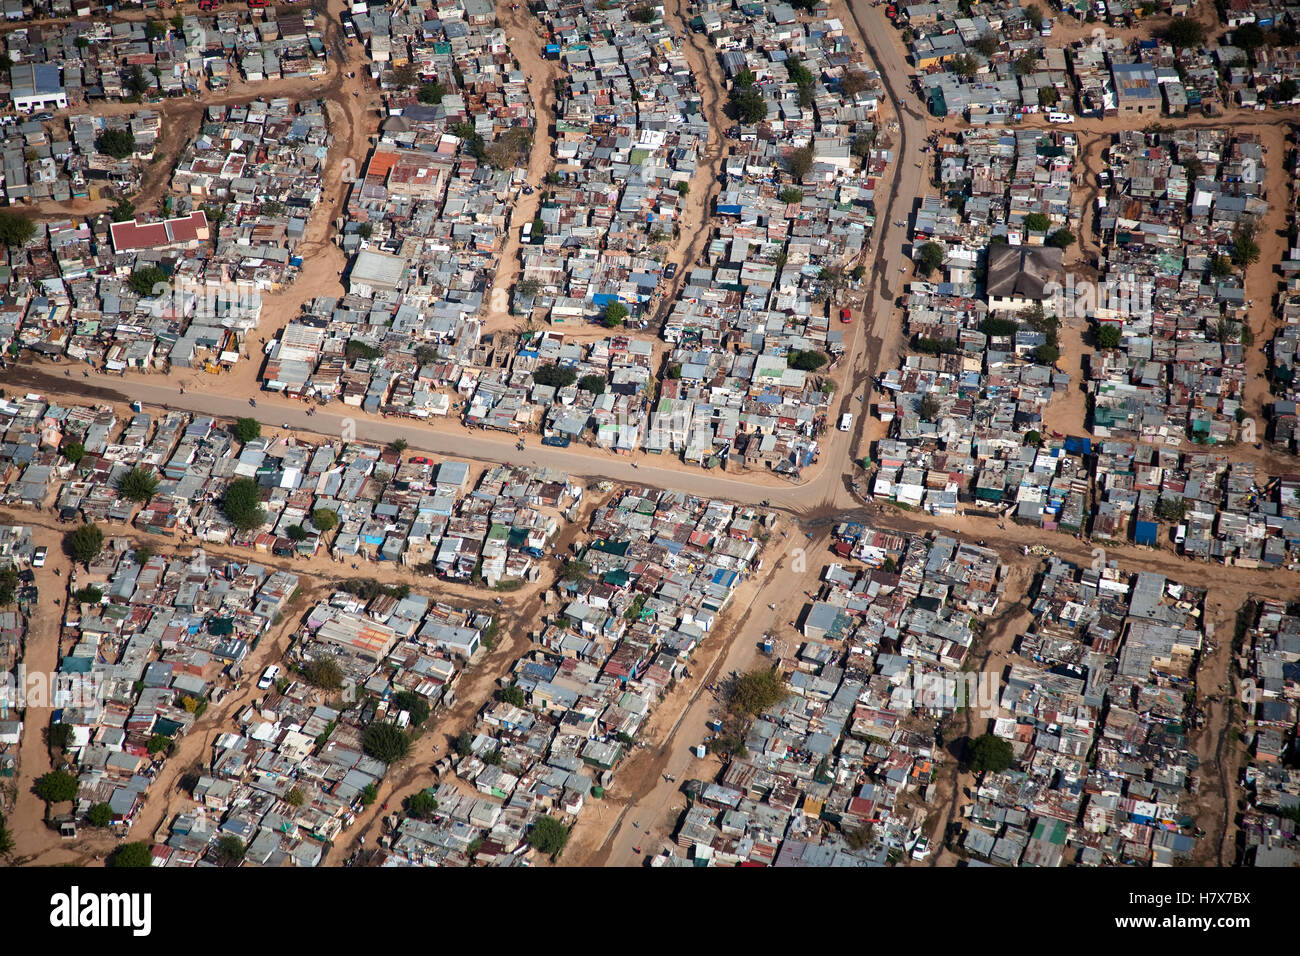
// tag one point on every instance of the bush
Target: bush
(385, 742)
(139, 484)
(242, 504)
(84, 544)
(549, 836)
(325, 519)
(644, 14)
(989, 753)
(356, 349)
(248, 429)
(790, 195)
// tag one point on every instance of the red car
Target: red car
(209, 4)
(845, 315)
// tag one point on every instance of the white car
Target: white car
(38, 558)
(268, 677)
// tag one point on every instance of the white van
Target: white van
(1060, 118)
(846, 421)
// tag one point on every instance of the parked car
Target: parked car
(38, 559)
(42, 117)
(845, 315)
(268, 677)
(670, 270)
(556, 441)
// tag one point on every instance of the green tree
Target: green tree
(100, 815)
(556, 376)
(1047, 354)
(464, 743)
(548, 835)
(324, 519)
(1048, 96)
(415, 705)
(1249, 37)
(57, 786)
(247, 429)
(801, 162)
(750, 105)
(431, 93)
(644, 14)
(323, 672)
(1034, 16)
(790, 195)
(295, 798)
(85, 543)
(987, 44)
(999, 327)
(683, 188)
(369, 794)
(118, 143)
(756, 691)
(296, 533)
(9, 581)
(158, 743)
(398, 445)
(135, 854)
(1037, 222)
(15, 230)
(1245, 251)
(1061, 239)
(74, 451)
(592, 383)
(964, 65)
(805, 360)
(931, 406)
(122, 210)
(146, 281)
(1034, 438)
(139, 484)
(1287, 90)
(88, 595)
(1108, 337)
(514, 695)
(615, 314)
(421, 805)
(989, 753)
(142, 554)
(932, 256)
(229, 850)
(385, 741)
(242, 504)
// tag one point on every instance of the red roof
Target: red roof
(132, 235)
